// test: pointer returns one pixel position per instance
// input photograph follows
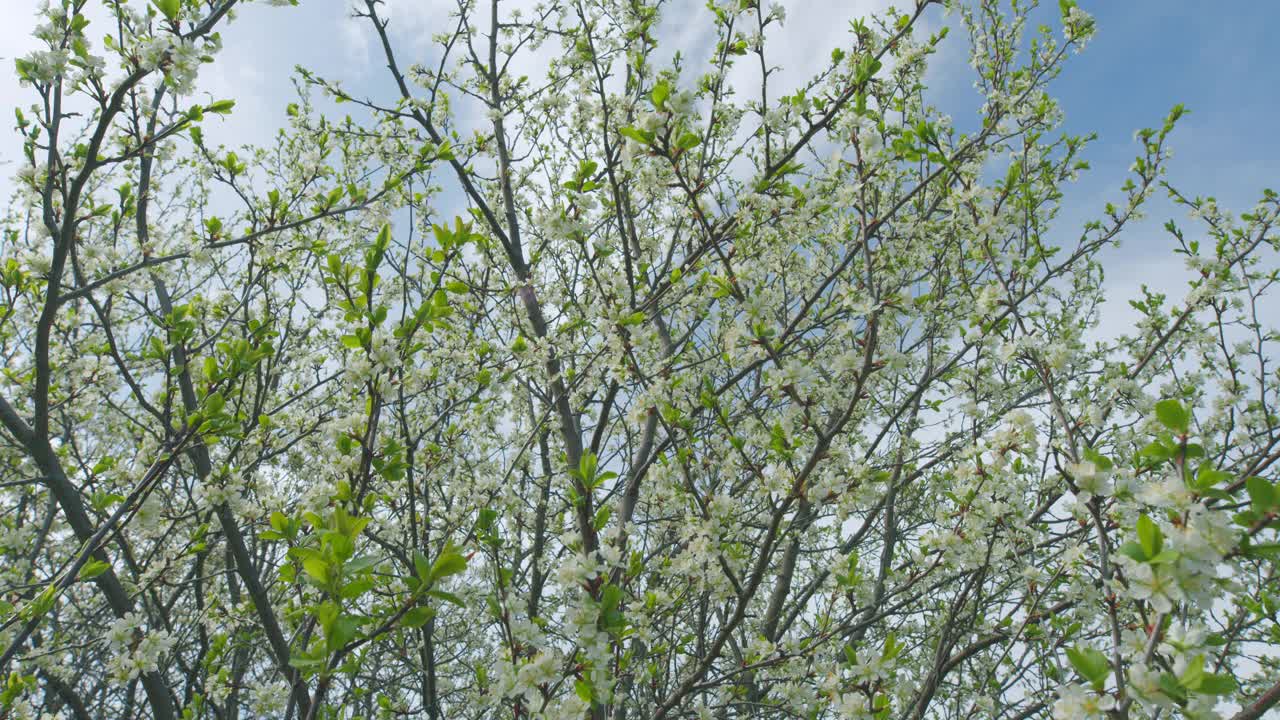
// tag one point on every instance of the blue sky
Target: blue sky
(1221, 64)
(1216, 58)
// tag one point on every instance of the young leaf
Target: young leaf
(688, 141)
(1262, 494)
(1089, 664)
(661, 91)
(168, 8)
(1216, 684)
(1174, 416)
(643, 137)
(93, 569)
(447, 597)
(449, 562)
(417, 617)
(343, 630)
(1149, 536)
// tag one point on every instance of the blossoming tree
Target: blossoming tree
(571, 379)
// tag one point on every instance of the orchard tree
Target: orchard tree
(570, 377)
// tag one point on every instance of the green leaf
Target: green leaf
(1150, 536)
(279, 521)
(317, 568)
(93, 569)
(450, 562)
(867, 68)
(421, 564)
(602, 517)
(1207, 477)
(1169, 684)
(587, 467)
(344, 630)
(1193, 674)
(1174, 416)
(1262, 551)
(1262, 494)
(688, 141)
(168, 8)
(303, 661)
(1216, 684)
(611, 597)
(1089, 664)
(660, 93)
(356, 588)
(417, 617)
(221, 107)
(1134, 551)
(447, 597)
(360, 564)
(1101, 461)
(41, 604)
(644, 137)
(891, 647)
